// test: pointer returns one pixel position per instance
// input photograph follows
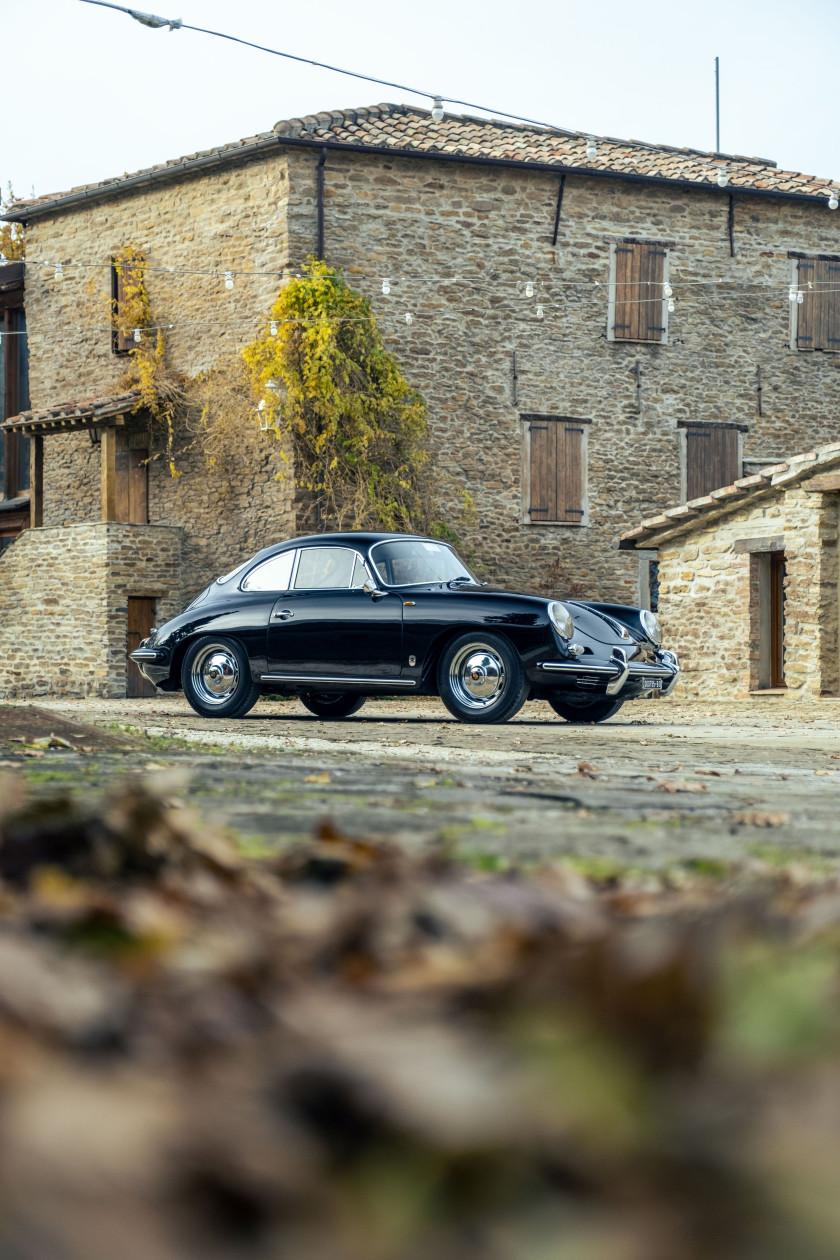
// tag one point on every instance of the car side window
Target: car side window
(325, 568)
(360, 574)
(274, 574)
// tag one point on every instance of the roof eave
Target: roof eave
(210, 161)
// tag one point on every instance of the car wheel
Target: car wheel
(480, 679)
(333, 704)
(216, 677)
(580, 709)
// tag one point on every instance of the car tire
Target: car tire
(326, 704)
(216, 678)
(584, 709)
(480, 678)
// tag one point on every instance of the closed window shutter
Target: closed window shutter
(806, 316)
(570, 473)
(818, 315)
(711, 460)
(543, 436)
(832, 284)
(639, 280)
(556, 471)
(123, 338)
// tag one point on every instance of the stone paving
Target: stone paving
(663, 783)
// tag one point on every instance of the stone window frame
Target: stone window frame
(682, 430)
(666, 271)
(525, 419)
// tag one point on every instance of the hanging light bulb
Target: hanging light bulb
(274, 328)
(833, 202)
(137, 334)
(792, 293)
(529, 288)
(540, 312)
(668, 291)
(58, 274)
(409, 318)
(722, 177)
(591, 148)
(228, 280)
(386, 287)
(437, 109)
(800, 297)
(671, 306)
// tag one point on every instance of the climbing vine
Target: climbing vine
(12, 235)
(357, 430)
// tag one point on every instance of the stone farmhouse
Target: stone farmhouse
(600, 328)
(748, 581)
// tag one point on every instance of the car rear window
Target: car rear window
(274, 574)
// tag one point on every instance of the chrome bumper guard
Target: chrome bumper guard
(147, 654)
(620, 669)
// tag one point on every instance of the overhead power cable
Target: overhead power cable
(437, 99)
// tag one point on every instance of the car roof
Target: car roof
(357, 538)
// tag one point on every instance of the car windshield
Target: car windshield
(414, 562)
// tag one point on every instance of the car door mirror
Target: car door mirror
(374, 591)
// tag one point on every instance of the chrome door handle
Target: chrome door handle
(283, 616)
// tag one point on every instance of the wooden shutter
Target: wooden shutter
(122, 337)
(639, 281)
(141, 618)
(818, 315)
(557, 471)
(711, 460)
(131, 477)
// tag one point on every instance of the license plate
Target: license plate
(651, 684)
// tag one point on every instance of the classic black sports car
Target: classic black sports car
(336, 618)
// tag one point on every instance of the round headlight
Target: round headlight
(651, 626)
(561, 619)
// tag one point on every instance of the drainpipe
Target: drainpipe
(320, 199)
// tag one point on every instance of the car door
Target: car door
(327, 627)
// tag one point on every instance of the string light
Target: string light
(591, 148)
(386, 287)
(671, 307)
(228, 280)
(833, 202)
(274, 328)
(540, 312)
(668, 291)
(800, 297)
(722, 178)
(792, 293)
(58, 274)
(437, 109)
(529, 289)
(409, 318)
(137, 334)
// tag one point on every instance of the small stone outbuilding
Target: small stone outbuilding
(745, 581)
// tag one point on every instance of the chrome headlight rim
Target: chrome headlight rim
(651, 626)
(561, 619)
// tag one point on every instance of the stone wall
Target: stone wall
(65, 595)
(708, 598)
(458, 243)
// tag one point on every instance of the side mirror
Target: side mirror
(369, 588)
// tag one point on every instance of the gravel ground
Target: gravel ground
(664, 782)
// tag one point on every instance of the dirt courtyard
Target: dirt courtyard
(664, 783)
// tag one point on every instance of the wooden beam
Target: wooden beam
(823, 483)
(108, 456)
(36, 481)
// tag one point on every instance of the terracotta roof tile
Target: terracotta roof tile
(409, 128)
(729, 498)
(74, 414)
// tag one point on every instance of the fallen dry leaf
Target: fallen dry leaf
(672, 785)
(760, 818)
(711, 773)
(587, 770)
(317, 778)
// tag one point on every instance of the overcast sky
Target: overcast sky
(89, 93)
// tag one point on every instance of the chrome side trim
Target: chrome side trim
(338, 678)
(146, 654)
(575, 667)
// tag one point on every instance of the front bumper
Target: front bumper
(152, 662)
(618, 676)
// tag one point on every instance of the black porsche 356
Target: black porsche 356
(336, 618)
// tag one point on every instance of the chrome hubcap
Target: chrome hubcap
(215, 674)
(477, 676)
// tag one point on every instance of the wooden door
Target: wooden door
(141, 618)
(131, 469)
(777, 619)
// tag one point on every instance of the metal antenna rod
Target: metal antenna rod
(717, 104)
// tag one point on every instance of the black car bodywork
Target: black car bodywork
(375, 638)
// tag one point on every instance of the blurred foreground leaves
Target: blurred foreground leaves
(349, 1053)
